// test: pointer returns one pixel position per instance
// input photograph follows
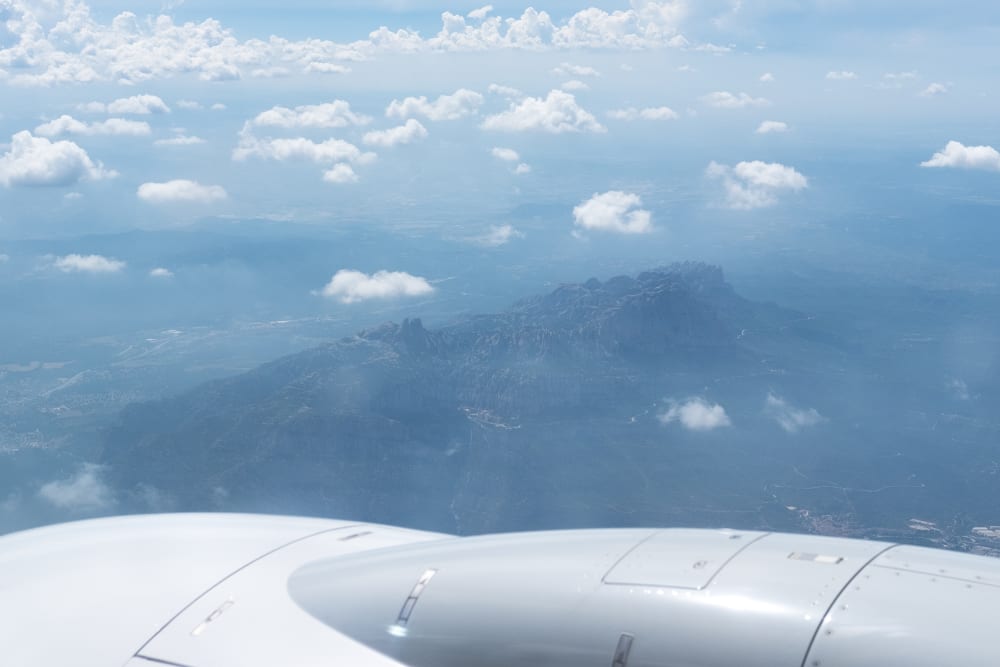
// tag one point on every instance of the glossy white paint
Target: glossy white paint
(246, 591)
(254, 622)
(90, 593)
(563, 599)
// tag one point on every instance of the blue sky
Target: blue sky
(160, 114)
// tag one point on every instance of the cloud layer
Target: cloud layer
(406, 133)
(84, 491)
(558, 112)
(348, 286)
(613, 211)
(696, 414)
(180, 190)
(790, 418)
(756, 184)
(36, 161)
(88, 264)
(958, 155)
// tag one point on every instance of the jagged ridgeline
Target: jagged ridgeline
(543, 415)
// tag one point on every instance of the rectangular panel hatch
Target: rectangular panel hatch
(679, 558)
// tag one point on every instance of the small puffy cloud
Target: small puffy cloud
(189, 105)
(340, 173)
(84, 491)
(136, 105)
(696, 414)
(771, 126)
(348, 286)
(723, 99)
(568, 69)
(218, 106)
(900, 76)
(180, 190)
(179, 140)
(959, 389)
(498, 235)
(766, 77)
(300, 148)
(841, 75)
(522, 168)
(756, 184)
(113, 126)
(934, 89)
(481, 13)
(270, 72)
(505, 154)
(88, 264)
(556, 113)
(613, 211)
(160, 272)
(36, 161)
(649, 113)
(406, 133)
(330, 114)
(574, 84)
(325, 67)
(459, 104)
(505, 91)
(958, 155)
(789, 417)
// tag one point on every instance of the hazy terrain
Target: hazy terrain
(855, 401)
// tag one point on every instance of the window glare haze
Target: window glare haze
(482, 267)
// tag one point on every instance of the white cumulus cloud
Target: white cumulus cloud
(505, 154)
(613, 211)
(348, 286)
(406, 133)
(522, 168)
(955, 154)
(696, 414)
(36, 161)
(649, 113)
(568, 69)
(326, 67)
(88, 264)
(772, 126)
(84, 491)
(556, 113)
(789, 417)
(461, 103)
(574, 84)
(300, 148)
(480, 13)
(56, 43)
(66, 124)
(841, 75)
(766, 77)
(723, 99)
(498, 235)
(327, 115)
(179, 140)
(137, 105)
(934, 89)
(180, 190)
(160, 272)
(756, 184)
(340, 173)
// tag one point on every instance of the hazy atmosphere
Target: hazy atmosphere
(473, 268)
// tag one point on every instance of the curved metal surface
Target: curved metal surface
(90, 593)
(699, 598)
(250, 591)
(916, 607)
